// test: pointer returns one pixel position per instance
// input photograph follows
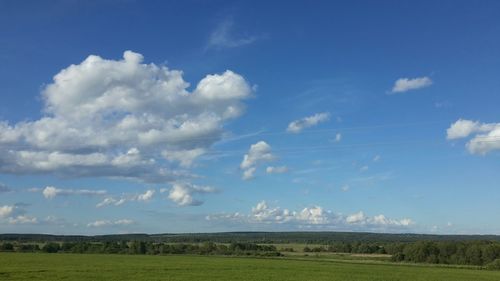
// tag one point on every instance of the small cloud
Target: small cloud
(297, 126)
(102, 223)
(183, 193)
(376, 158)
(276, 170)
(258, 153)
(363, 169)
(345, 188)
(406, 84)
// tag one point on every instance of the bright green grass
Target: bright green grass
(18, 266)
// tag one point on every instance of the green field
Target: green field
(21, 266)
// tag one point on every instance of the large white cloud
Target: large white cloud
(121, 119)
(406, 84)
(298, 125)
(486, 135)
(313, 216)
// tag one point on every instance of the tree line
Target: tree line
(479, 253)
(142, 248)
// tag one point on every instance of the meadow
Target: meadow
(40, 266)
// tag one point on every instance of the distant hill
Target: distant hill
(253, 237)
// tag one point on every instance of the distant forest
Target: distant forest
(253, 237)
(416, 248)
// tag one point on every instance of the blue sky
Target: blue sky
(202, 116)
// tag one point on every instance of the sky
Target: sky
(208, 116)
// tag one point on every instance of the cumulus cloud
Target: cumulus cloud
(258, 153)
(276, 170)
(312, 216)
(486, 136)
(118, 201)
(406, 84)
(183, 193)
(6, 211)
(298, 125)
(51, 192)
(102, 223)
(15, 214)
(122, 119)
(223, 37)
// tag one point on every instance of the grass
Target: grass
(22, 266)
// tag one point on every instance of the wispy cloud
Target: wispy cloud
(117, 201)
(102, 223)
(51, 192)
(297, 126)
(224, 36)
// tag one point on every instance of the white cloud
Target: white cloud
(376, 158)
(51, 192)
(14, 214)
(258, 153)
(118, 201)
(223, 37)
(486, 135)
(345, 188)
(119, 119)
(313, 216)
(355, 218)
(276, 170)
(298, 125)
(182, 193)
(407, 84)
(146, 196)
(363, 169)
(102, 223)
(249, 173)
(6, 211)
(23, 219)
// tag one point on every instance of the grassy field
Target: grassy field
(20, 266)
